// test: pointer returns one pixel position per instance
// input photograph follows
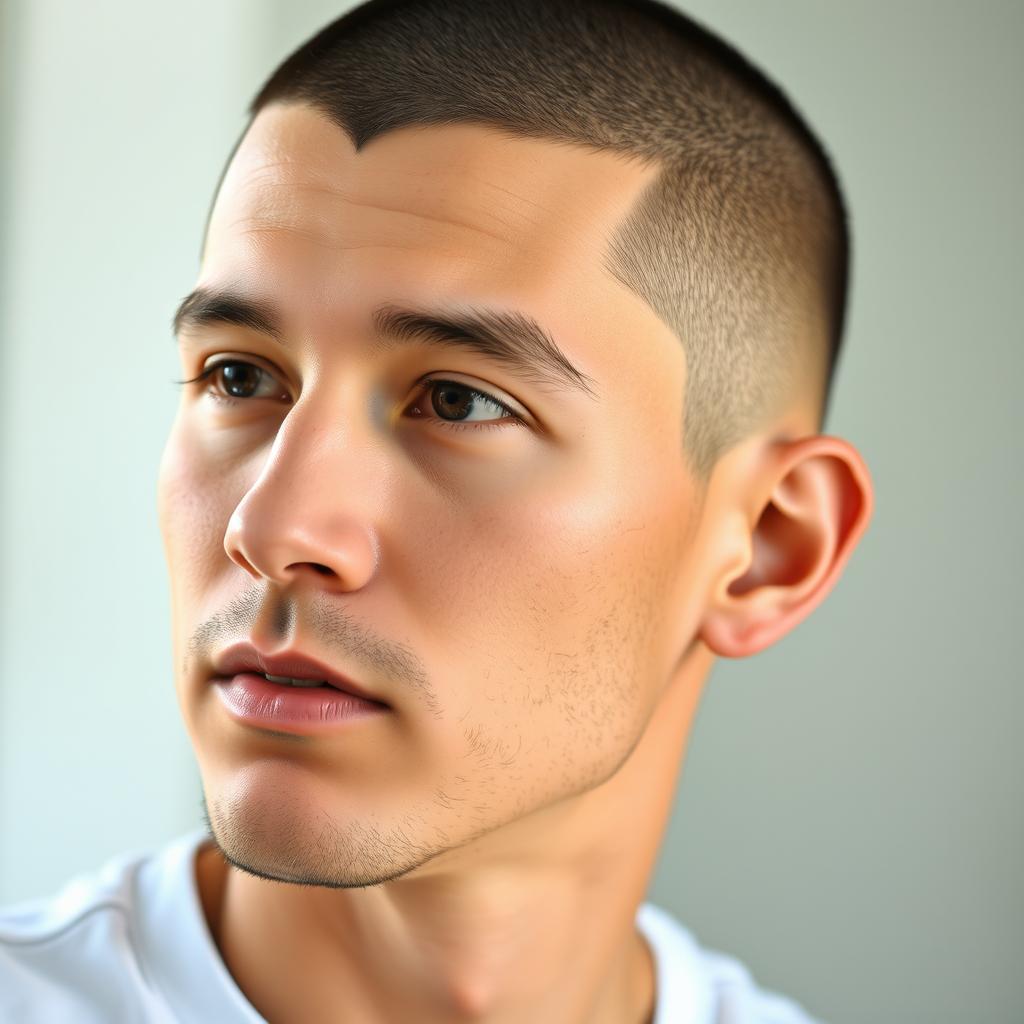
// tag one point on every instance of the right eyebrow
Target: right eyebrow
(205, 307)
(511, 339)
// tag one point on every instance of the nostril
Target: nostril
(239, 559)
(296, 570)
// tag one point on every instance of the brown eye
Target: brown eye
(235, 380)
(240, 380)
(453, 400)
(453, 403)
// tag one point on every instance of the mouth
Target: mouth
(289, 671)
(314, 709)
(305, 683)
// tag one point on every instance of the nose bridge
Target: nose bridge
(309, 505)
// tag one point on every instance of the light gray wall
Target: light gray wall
(122, 114)
(849, 818)
(852, 821)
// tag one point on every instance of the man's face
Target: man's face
(518, 593)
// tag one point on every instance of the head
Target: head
(512, 339)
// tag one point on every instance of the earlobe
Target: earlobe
(817, 511)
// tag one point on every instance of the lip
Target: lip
(246, 658)
(252, 700)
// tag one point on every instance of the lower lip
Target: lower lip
(304, 710)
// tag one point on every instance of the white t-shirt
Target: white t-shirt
(129, 943)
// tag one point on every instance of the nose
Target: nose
(306, 516)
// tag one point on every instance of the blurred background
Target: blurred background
(849, 820)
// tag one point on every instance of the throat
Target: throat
(211, 875)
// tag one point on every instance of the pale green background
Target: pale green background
(850, 823)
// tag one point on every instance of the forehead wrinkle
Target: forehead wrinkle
(448, 221)
(517, 196)
(348, 199)
(516, 213)
(445, 193)
(578, 243)
(325, 242)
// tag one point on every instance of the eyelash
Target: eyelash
(511, 419)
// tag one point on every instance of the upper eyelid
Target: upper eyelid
(441, 378)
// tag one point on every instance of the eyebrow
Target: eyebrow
(511, 339)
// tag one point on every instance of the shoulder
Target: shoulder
(706, 985)
(739, 998)
(74, 955)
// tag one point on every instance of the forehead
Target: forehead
(467, 191)
(452, 213)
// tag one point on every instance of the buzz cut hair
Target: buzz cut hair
(740, 244)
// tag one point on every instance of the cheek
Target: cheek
(554, 585)
(193, 510)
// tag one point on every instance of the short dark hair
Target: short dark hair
(740, 244)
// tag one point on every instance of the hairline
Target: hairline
(616, 239)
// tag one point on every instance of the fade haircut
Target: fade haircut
(740, 244)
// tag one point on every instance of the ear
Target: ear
(820, 502)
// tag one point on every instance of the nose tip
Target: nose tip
(285, 547)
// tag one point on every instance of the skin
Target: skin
(539, 605)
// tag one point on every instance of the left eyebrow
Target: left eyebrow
(512, 339)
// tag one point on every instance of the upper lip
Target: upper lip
(244, 657)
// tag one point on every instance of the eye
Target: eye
(450, 398)
(235, 380)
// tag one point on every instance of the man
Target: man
(505, 368)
